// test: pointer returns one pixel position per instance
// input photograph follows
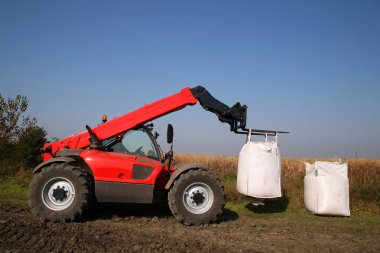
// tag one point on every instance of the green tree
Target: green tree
(28, 147)
(20, 136)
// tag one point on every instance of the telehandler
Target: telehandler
(120, 161)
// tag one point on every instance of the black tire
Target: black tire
(61, 192)
(190, 198)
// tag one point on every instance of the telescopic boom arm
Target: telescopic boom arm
(235, 116)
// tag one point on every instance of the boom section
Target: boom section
(128, 121)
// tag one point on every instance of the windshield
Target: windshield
(137, 142)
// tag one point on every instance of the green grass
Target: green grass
(12, 188)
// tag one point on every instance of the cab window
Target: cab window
(137, 142)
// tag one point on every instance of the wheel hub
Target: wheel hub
(198, 198)
(58, 194)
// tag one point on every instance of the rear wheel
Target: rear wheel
(196, 197)
(60, 192)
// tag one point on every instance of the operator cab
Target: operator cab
(139, 141)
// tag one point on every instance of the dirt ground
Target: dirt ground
(115, 228)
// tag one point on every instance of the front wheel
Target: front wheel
(196, 197)
(60, 192)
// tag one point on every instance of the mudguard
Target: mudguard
(63, 159)
(181, 168)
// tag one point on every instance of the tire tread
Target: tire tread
(83, 193)
(175, 198)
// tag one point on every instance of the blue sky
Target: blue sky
(309, 67)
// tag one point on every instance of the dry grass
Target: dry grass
(364, 178)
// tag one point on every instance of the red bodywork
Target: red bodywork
(118, 167)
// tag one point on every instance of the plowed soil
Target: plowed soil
(128, 228)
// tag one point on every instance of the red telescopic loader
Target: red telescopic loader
(120, 161)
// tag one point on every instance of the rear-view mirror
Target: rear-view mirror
(170, 133)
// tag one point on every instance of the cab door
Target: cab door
(127, 171)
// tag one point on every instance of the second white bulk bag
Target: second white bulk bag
(259, 169)
(326, 188)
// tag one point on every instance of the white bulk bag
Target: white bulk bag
(259, 169)
(326, 188)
